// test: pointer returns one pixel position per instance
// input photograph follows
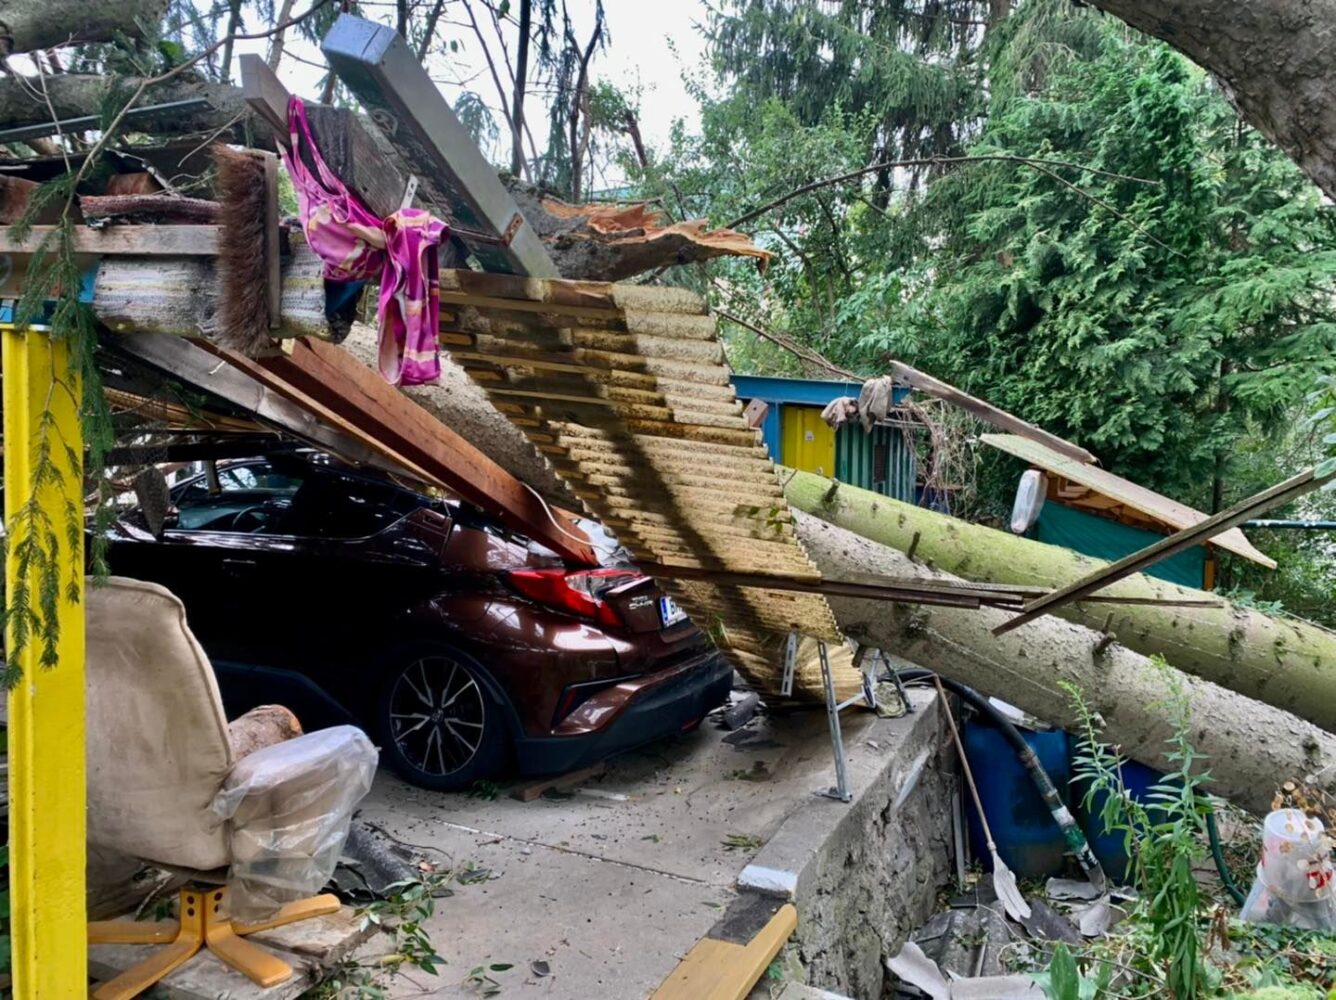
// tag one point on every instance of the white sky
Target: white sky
(654, 43)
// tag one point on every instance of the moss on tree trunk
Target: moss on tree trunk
(1252, 747)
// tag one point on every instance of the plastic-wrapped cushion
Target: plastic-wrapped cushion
(288, 808)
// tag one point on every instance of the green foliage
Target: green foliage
(1062, 980)
(1164, 837)
(403, 914)
(1164, 299)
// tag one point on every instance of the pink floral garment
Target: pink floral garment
(356, 245)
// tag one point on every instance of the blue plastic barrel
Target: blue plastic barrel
(1028, 839)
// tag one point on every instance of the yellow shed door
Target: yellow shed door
(806, 442)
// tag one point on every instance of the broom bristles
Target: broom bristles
(243, 304)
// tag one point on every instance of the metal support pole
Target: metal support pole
(841, 789)
(47, 836)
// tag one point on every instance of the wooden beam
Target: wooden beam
(454, 180)
(728, 962)
(138, 241)
(345, 387)
(1083, 588)
(185, 360)
(47, 839)
(265, 94)
(986, 412)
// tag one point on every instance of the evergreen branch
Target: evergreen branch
(792, 346)
(929, 161)
(110, 131)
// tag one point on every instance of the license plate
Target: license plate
(669, 612)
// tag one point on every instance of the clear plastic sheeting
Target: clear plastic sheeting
(1296, 881)
(288, 809)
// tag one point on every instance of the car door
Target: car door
(223, 553)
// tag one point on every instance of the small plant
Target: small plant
(741, 842)
(484, 789)
(1163, 837)
(1062, 980)
(403, 913)
(483, 984)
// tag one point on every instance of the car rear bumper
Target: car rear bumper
(652, 708)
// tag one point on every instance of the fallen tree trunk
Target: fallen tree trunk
(73, 95)
(28, 25)
(1273, 60)
(1281, 661)
(460, 404)
(1252, 747)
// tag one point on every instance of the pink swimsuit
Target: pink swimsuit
(356, 245)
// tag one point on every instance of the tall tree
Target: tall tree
(1274, 60)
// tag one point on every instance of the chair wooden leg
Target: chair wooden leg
(252, 961)
(204, 924)
(302, 909)
(189, 939)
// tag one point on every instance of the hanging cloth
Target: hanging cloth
(356, 245)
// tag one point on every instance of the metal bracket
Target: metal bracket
(790, 665)
(841, 789)
(410, 192)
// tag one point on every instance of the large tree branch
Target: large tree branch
(1273, 59)
(28, 25)
(75, 94)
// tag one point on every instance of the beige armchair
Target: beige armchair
(160, 761)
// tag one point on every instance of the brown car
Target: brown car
(462, 647)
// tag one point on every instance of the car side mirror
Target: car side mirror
(155, 500)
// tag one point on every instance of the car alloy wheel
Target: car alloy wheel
(438, 715)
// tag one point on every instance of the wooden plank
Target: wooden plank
(46, 729)
(273, 249)
(344, 385)
(1281, 493)
(985, 411)
(265, 95)
(722, 969)
(390, 81)
(139, 241)
(533, 790)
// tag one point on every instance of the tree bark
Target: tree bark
(27, 25)
(276, 43)
(75, 94)
(460, 404)
(1252, 747)
(1284, 662)
(1273, 60)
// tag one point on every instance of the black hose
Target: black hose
(1071, 832)
(1217, 852)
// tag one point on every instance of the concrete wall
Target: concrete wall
(868, 873)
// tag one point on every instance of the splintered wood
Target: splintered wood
(626, 390)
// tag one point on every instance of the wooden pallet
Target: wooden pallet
(626, 390)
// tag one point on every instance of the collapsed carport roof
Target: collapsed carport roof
(1118, 496)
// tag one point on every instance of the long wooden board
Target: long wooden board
(344, 386)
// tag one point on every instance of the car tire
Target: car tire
(440, 725)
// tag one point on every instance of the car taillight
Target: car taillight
(578, 593)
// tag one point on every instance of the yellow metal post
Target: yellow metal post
(46, 709)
